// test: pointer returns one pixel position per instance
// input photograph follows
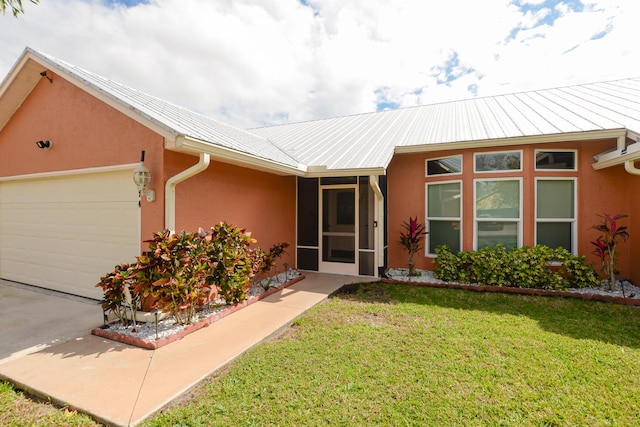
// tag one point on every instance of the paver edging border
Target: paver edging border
(522, 291)
(154, 345)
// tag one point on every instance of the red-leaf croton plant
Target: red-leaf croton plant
(411, 238)
(606, 245)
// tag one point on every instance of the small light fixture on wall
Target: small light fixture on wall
(44, 74)
(44, 144)
(142, 179)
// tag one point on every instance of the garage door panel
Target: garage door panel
(65, 233)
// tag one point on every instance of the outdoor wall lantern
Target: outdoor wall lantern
(44, 74)
(44, 144)
(142, 179)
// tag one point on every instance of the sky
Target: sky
(252, 63)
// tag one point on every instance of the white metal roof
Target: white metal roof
(366, 142)
(174, 119)
(369, 140)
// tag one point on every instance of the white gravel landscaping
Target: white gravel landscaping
(630, 290)
(168, 327)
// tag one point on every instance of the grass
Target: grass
(17, 410)
(401, 355)
(406, 355)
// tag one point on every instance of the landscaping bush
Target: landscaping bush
(538, 267)
(173, 274)
(184, 271)
(113, 287)
(265, 262)
(230, 261)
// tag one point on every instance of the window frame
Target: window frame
(442, 218)
(518, 221)
(426, 166)
(476, 154)
(573, 221)
(575, 160)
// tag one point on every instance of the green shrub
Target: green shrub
(538, 267)
(575, 270)
(491, 266)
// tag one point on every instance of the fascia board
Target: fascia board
(71, 172)
(17, 85)
(226, 155)
(503, 142)
(346, 172)
(14, 72)
(618, 157)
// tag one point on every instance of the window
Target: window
(498, 161)
(556, 160)
(498, 213)
(556, 213)
(444, 202)
(445, 165)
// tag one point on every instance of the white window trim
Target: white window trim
(498, 152)
(439, 218)
(574, 221)
(575, 167)
(426, 166)
(475, 210)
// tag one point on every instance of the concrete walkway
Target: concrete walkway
(123, 385)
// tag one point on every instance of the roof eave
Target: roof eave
(189, 145)
(186, 144)
(116, 103)
(18, 83)
(323, 171)
(621, 154)
(520, 140)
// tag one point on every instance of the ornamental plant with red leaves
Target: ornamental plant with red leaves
(181, 271)
(606, 245)
(411, 238)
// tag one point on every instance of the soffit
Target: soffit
(16, 86)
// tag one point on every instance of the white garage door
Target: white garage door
(64, 233)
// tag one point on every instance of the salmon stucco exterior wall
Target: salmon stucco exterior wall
(598, 191)
(259, 202)
(86, 134)
(632, 245)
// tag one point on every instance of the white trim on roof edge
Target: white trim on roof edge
(503, 142)
(187, 144)
(617, 157)
(226, 155)
(71, 172)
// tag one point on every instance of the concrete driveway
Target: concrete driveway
(32, 319)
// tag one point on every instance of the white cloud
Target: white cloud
(264, 61)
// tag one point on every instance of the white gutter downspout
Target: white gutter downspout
(170, 189)
(630, 167)
(378, 242)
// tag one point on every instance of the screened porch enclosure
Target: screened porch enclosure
(337, 226)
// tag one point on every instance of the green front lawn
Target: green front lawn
(17, 410)
(402, 355)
